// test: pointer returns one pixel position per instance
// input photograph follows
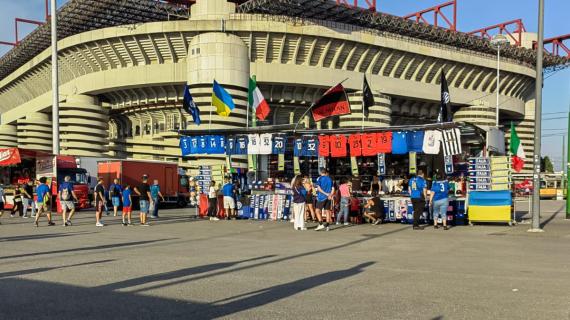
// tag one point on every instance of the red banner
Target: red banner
(333, 103)
(10, 156)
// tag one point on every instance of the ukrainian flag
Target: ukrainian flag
(222, 100)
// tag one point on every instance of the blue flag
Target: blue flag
(190, 106)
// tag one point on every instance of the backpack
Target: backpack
(65, 194)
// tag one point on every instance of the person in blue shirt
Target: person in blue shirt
(66, 197)
(127, 205)
(228, 190)
(418, 192)
(44, 196)
(325, 193)
(439, 200)
(115, 191)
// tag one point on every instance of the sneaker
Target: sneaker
(337, 223)
(51, 223)
(12, 215)
(320, 227)
(327, 229)
(436, 227)
(25, 217)
(99, 224)
(347, 224)
(36, 224)
(377, 222)
(69, 222)
(154, 217)
(145, 225)
(446, 228)
(215, 219)
(129, 224)
(303, 229)
(418, 228)
(124, 224)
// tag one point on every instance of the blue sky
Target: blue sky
(471, 15)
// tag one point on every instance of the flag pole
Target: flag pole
(362, 104)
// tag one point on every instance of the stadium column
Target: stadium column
(8, 136)
(481, 115)
(84, 126)
(223, 57)
(35, 132)
(380, 114)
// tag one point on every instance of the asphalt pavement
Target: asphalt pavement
(185, 268)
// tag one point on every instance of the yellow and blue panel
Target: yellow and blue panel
(490, 206)
(222, 100)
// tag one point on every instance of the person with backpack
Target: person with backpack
(66, 197)
(115, 191)
(43, 203)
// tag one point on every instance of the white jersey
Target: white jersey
(253, 144)
(266, 144)
(432, 141)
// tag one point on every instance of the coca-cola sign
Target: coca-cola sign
(10, 156)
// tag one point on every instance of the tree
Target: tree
(546, 165)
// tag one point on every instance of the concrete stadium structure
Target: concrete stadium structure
(122, 76)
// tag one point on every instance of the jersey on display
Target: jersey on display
(400, 142)
(432, 142)
(369, 145)
(185, 146)
(241, 145)
(451, 142)
(279, 145)
(253, 144)
(310, 147)
(202, 145)
(266, 144)
(384, 142)
(324, 146)
(194, 145)
(230, 145)
(338, 146)
(415, 141)
(298, 147)
(355, 145)
(215, 145)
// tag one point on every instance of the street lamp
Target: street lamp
(499, 41)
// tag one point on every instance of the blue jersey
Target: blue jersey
(228, 190)
(215, 145)
(417, 185)
(42, 190)
(416, 141)
(279, 145)
(298, 147)
(154, 190)
(310, 147)
(202, 145)
(241, 145)
(441, 190)
(185, 146)
(326, 184)
(126, 199)
(230, 145)
(194, 145)
(399, 142)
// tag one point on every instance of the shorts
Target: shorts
(309, 199)
(229, 202)
(324, 205)
(144, 205)
(116, 201)
(440, 208)
(42, 206)
(99, 205)
(67, 205)
(127, 209)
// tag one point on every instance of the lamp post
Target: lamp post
(499, 41)
(54, 80)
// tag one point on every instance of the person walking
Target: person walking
(213, 201)
(345, 190)
(18, 204)
(28, 198)
(127, 205)
(145, 200)
(439, 199)
(66, 197)
(418, 193)
(155, 193)
(299, 198)
(99, 202)
(115, 191)
(44, 202)
(228, 190)
(2, 200)
(309, 199)
(325, 192)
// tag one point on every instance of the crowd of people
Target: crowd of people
(311, 202)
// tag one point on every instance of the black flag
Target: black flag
(367, 97)
(445, 105)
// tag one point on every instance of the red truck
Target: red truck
(18, 166)
(173, 182)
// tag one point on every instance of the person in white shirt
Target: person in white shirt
(213, 201)
(2, 200)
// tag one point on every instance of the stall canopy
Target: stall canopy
(9, 157)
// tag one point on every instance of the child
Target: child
(127, 205)
(354, 209)
(18, 204)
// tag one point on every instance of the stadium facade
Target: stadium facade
(124, 65)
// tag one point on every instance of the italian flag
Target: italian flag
(257, 101)
(516, 150)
